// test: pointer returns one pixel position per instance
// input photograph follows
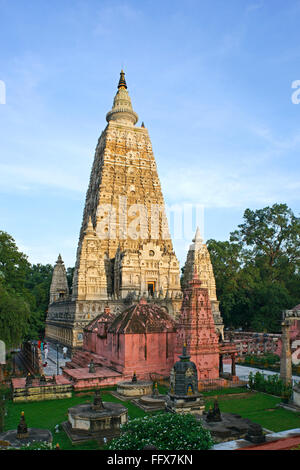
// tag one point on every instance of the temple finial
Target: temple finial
(122, 81)
(198, 237)
(122, 108)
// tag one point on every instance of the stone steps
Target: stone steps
(83, 358)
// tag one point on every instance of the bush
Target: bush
(271, 384)
(165, 431)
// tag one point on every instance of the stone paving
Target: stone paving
(52, 361)
(274, 441)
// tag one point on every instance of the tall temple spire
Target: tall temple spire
(122, 108)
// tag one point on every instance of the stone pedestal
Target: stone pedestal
(231, 426)
(86, 423)
(131, 389)
(193, 404)
(151, 402)
(14, 439)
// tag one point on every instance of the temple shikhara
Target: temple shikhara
(128, 310)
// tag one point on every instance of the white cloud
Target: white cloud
(223, 187)
(25, 178)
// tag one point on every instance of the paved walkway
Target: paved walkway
(51, 368)
(244, 371)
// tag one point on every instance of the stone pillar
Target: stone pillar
(233, 371)
(286, 356)
(221, 364)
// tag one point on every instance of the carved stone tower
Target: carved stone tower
(198, 259)
(59, 285)
(124, 249)
(196, 330)
(124, 243)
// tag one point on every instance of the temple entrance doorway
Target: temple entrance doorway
(151, 288)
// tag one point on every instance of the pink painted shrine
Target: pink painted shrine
(146, 340)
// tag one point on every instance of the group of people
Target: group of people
(43, 346)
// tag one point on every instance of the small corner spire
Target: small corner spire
(122, 81)
(198, 237)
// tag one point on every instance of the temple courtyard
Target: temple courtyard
(258, 407)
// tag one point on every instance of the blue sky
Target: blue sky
(212, 80)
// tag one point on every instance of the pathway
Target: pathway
(244, 371)
(51, 368)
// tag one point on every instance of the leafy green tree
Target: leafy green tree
(14, 317)
(271, 233)
(24, 294)
(38, 281)
(13, 263)
(257, 272)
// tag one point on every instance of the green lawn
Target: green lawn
(47, 414)
(259, 407)
(226, 391)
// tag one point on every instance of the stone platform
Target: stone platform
(232, 426)
(85, 423)
(37, 391)
(283, 440)
(132, 389)
(9, 438)
(150, 402)
(82, 379)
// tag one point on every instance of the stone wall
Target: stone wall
(39, 392)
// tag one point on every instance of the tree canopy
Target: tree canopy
(257, 271)
(24, 294)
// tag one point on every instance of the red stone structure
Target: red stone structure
(141, 339)
(146, 340)
(196, 329)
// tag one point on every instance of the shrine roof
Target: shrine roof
(102, 318)
(143, 318)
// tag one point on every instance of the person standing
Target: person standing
(46, 351)
(65, 350)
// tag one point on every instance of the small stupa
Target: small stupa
(155, 401)
(183, 396)
(97, 420)
(23, 435)
(230, 426)
(214, 414)
(133, 388)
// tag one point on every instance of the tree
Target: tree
(38, 281)
(257, 271)
(13, 263)
(273, 234)
(24, 294)
(14, 317)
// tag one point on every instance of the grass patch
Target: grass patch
(47, 414)
(260, 408)
(225, 391)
